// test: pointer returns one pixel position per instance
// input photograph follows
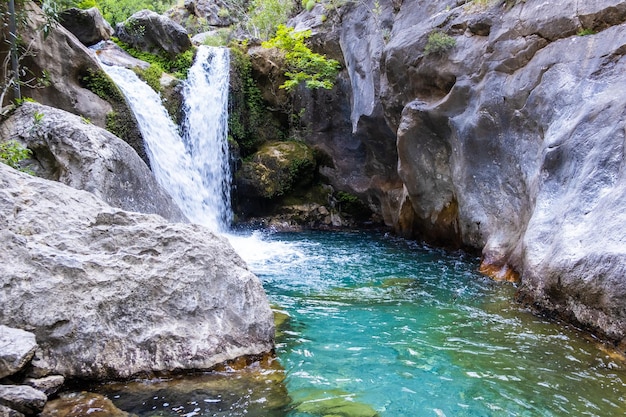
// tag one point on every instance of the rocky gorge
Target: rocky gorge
(491, 126)
(510, 140)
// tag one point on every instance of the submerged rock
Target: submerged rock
(112, 294)
(69, 149)
(82, 404)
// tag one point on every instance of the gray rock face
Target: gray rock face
(52, 55)
(151, 32)
(110, 294)
(17, 347)
(26, 400)
(70, 150)
(87, 25)
(510, 141)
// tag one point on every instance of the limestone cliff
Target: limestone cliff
(509, 139)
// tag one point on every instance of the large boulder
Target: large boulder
(276, 168)
(111, 294)
(151, 32)
(71, 150)
(87, 25)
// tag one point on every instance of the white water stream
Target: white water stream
(192, 167)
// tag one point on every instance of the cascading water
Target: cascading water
(193, 167)
(205, 128)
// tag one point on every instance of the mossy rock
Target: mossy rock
(276, 169)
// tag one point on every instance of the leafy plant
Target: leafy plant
(586, 32)
(38, 117)
(303, 65)
(13, 153)
(439, 43)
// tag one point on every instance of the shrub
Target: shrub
(303, 65)
(13, 153)
(439, 43)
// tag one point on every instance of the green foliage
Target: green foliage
(13, 153)
(99, 83)
(266, 15)
(38, 117)
(352, 205)
(303, 65)
(246, 112)
(178, 66)
(586, 32)
(439, 43)
(151, 75)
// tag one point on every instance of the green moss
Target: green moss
(151, 75)
(98, 82)
(278, 167)
(250, 124)
(177, 66)
(352, 205)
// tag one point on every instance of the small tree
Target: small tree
(303, 65)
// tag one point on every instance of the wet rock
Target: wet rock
(151, 32)
(87, 25)
(48, 385)
(71, 150)
(24, 399)
(82, 404)
(110, 54)
(111, 294)
(17, 347)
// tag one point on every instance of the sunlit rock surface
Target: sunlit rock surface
(111, 294)
(71, 150)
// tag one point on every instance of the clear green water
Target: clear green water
(381, 326)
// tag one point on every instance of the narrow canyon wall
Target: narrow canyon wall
(510, 142)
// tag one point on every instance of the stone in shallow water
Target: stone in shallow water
(82, 404)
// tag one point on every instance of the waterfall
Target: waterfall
(205, 127)
(192, 167)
